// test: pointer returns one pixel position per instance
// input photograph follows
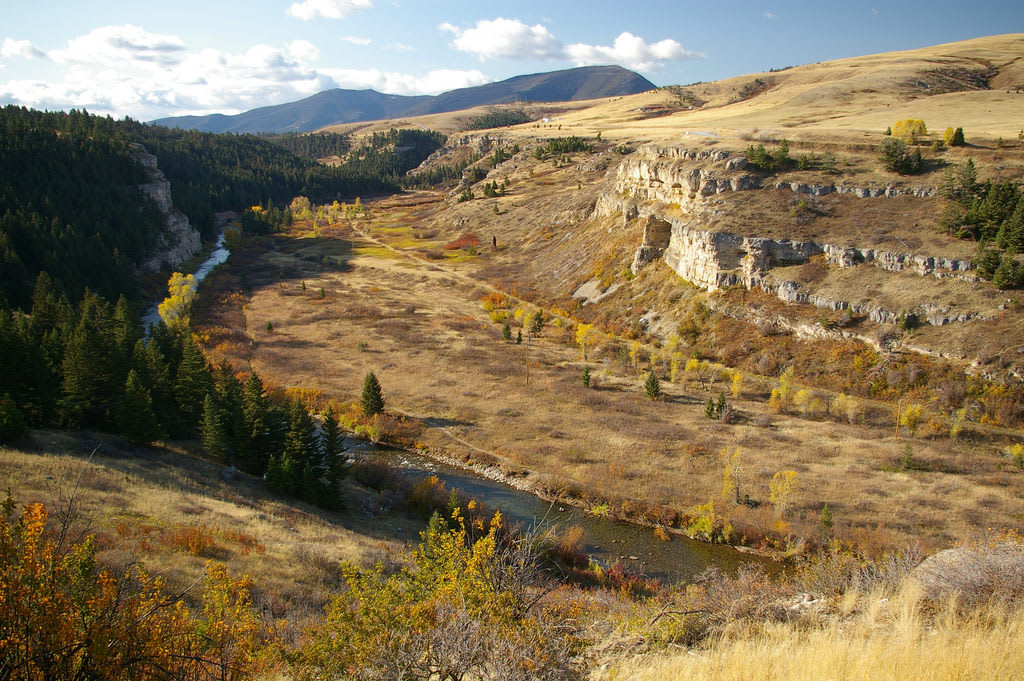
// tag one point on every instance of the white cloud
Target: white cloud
(20, 48)
(122, 45)
(328, 9)
(400, 47)
(303, 50)
(440, 80)
(630, 51)
(491, 39)
(355, 40)
(122, 70)
(767, 15)
(511, 38)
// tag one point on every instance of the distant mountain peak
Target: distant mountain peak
(335, 106)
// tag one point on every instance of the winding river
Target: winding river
(218, 256)
(678, 560)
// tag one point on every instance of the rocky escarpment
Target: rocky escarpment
(661, 190)
(678, 175)
(178, 241)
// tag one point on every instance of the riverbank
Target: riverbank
(644, 548)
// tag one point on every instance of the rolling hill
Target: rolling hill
(349, 106)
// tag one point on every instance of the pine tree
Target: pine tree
(651, 386)
(260, 440)
(332, 446)
(12, 421)
(301, 444)
(192, 382)
(154, 373)
(228, 393)
(825, 524)
(213, 430)
(506, 331)
(709, 409)
(277, 480)
(372, 398)
(134, 416)
(125, 331)
(585, 377)
(86, 367)
(1011, 233)
(1008, 274)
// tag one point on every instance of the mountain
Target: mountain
(588, 82)
(311, 113)
(352, 106)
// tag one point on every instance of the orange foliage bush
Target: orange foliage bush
(62, 616)
(468, 239)
(195, 540)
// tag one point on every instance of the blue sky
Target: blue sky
(152, 59)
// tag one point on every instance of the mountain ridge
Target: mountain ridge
(338, 106)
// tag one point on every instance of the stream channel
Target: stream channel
(606, 540)
(218, 255)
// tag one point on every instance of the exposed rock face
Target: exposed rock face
(178, 241)
(680, 175)
(655, 178)
(657, 236)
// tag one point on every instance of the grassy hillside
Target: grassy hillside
(517, 327)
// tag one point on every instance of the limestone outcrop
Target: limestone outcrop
(662, 190)
(178, 240)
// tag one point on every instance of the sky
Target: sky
(149, 60)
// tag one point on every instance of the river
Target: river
(218, 256)
(678, 560)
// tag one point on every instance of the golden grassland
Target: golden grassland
(418, 322)
(843, 101)
(173, 512)
(399, 291)
(888, 640)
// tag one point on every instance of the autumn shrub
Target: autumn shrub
(468, 240)
(64, 616)
(464, 609)
(195, 540)
(714, 601)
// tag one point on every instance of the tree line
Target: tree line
(70, 203)
(87, 366)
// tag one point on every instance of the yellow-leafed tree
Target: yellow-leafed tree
(176, 307)
(909, 129)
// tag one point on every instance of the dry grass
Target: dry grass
(891, 642)
(173, 513)
(887, 640)
(421, 327)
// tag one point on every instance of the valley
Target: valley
(657, 385)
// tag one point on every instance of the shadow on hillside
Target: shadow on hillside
(438, 422)
(178, 470)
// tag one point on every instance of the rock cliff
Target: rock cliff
(663, 190)
(178, 241)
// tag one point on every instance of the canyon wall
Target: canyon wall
(663, 190)
(178, 240)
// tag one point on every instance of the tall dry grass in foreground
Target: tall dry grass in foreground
(900, 639)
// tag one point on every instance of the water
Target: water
(218, 255)
(608, 541)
